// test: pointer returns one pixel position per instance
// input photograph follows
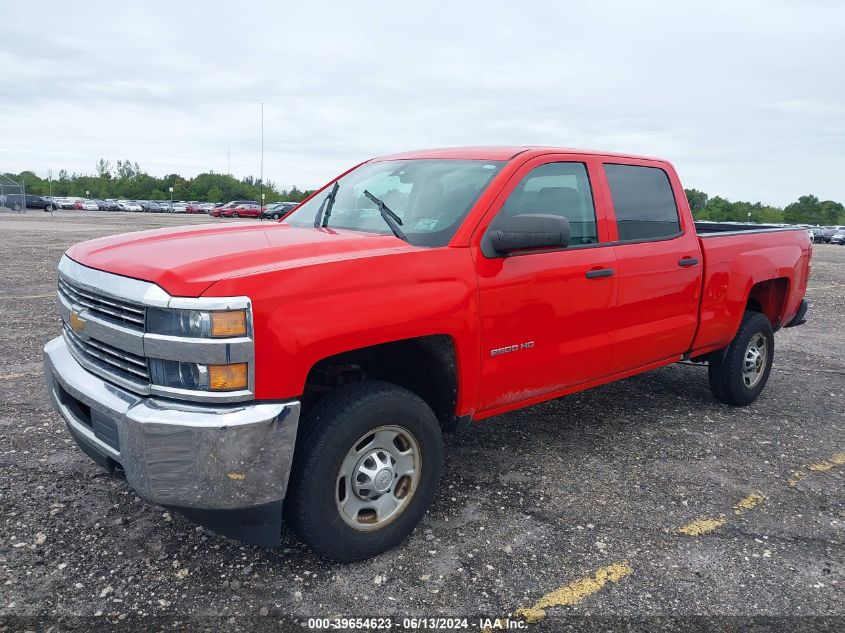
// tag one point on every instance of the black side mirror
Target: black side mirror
(526, 232)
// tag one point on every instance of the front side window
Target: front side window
(561, 189)
(643, 201)
(431, 196)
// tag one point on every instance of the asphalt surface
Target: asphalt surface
(581, 500)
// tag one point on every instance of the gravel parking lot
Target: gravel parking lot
(643, 498)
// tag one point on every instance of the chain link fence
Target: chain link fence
(12, 195)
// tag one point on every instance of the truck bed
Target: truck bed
(738, 256)
(708, 229)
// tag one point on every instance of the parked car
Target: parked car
(276, 210)
(148, 206)
(129, 205)
(828, 231)
(245, 210)
(86, 205)
(207, 207)
(438, 288)
(219, 211)
(16, 202)
(180, 207)
(108, 205)
(65, 202)
(194, 207)
(838, 237)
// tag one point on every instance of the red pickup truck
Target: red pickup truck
(224, 370)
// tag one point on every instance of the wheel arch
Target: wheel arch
(426, 365)
(770, 298)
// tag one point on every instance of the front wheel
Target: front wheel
(235, 215)
(738, 375)
(366, 468)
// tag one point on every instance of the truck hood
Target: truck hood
(187, 260)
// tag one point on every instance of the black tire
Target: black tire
(235, 214)
(326, 435)
(726, 370)
(276, 216)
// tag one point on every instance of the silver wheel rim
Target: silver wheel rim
(378, 478)
(754, 363)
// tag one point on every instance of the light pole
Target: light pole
(261, 173)
(261, 213)
(749, 216)
(171, 199)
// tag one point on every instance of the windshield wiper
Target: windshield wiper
(391, 219)
(325, 210)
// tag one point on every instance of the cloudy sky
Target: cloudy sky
(745, 97)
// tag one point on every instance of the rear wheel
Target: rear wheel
(235, 214)
(738, 375)
(366, 468)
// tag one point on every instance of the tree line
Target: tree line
(806, 210)
(126, 180)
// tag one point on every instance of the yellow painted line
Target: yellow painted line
(12, 298)
(820, 467)
(575, 591)
(797, 475)
(748, 503)
(828, 464)
(702, 526)
(21, 375)
(826, 287)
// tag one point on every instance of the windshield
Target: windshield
(432, 197)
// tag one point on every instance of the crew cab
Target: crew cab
(305, 369)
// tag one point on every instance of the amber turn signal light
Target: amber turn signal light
(227, 377)
(229, 323)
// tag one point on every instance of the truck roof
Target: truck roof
(503, 152)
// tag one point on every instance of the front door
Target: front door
(545, 316)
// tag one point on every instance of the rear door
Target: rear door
(659, 263)
(545, 315)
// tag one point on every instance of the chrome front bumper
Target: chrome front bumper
(189, 456)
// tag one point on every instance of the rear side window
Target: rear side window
(643, 201)
(558, 189)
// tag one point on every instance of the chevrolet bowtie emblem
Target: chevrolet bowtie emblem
(76, 322)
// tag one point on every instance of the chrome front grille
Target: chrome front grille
(113, 309)
(104, 327)
(107, 358)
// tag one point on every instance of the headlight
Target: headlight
(171, 373)
(197, 323)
